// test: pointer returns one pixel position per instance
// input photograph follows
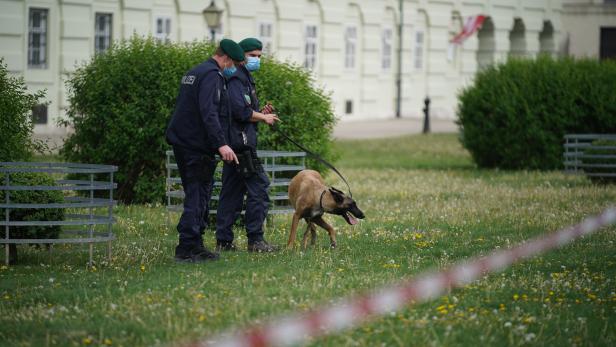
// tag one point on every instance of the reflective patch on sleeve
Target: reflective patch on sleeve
(188, 79)
(247, 99)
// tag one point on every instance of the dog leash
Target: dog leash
(314, 155)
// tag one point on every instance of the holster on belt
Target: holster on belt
(249, 163)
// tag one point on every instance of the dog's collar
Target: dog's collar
(321, 200)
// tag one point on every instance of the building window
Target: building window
(39, 114)
(607, 49)
(310, 47)
(163, 29)
(348, 107)
(386, 58)
(266, 36)
(37, 38)
(102, 32)
(419, 50)
(350, 44)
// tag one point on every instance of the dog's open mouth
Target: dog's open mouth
(349, 218)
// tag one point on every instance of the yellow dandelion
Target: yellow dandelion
(551, 293)
(201, 318)
(107, 342)
(142, 268)
(591, 296)
(199, 296)
(441, 308)
(516, 297)
(501, 307)
(87, 341)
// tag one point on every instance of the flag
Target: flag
(473, 23)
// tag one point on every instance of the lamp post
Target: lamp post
(212, 16)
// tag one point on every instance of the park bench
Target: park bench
(280, 166)
(582, 155)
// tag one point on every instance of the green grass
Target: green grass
(426, 206)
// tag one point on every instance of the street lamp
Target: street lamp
(212, 16)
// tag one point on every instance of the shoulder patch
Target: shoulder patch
(188, 79)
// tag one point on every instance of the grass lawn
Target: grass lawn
(426, 206)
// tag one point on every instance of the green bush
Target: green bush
(515, 114)
(16, 125)
(33, 214)
(122, 100)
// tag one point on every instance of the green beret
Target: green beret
(250, 44)
(232, 49)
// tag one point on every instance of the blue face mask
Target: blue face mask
(229, 71)
(253, 63)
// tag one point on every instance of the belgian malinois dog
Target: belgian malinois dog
(311, 198)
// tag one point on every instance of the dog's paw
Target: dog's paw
(333, 245)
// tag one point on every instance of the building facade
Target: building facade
(359, 50)
(591, 28)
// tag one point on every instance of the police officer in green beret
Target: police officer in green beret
(248, 178)
(197, 133)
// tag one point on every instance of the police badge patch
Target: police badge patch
(188, 79)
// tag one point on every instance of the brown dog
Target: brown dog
(311, 198)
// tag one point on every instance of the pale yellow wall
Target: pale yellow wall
(372, 89)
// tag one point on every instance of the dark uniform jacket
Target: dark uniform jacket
(200, 106)
(242, 101)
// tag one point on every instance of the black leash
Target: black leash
(314, 155)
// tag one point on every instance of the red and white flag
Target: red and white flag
(473, 23)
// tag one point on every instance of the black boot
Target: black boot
(194, 255)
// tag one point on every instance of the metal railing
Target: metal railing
(582, 155)
(275, 164)
(91, 218)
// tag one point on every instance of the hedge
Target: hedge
(16, 125)
(514, 115)
(121, 102)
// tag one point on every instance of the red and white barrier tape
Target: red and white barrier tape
(293, 329)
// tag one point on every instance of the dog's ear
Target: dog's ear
(337, 195)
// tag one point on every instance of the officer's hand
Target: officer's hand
(270, 119)
(267, 109)
(227, 154)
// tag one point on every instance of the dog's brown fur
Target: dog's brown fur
(311, 198)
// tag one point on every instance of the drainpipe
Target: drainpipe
(399, 67)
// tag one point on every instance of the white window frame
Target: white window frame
(103, 37)
(37, 55)
(311, 46)
(266, 36)
(163, 32)
(350, 47)
(420, 39)
(387, 48)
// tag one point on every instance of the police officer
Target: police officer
(196, 134)
(247, 178)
